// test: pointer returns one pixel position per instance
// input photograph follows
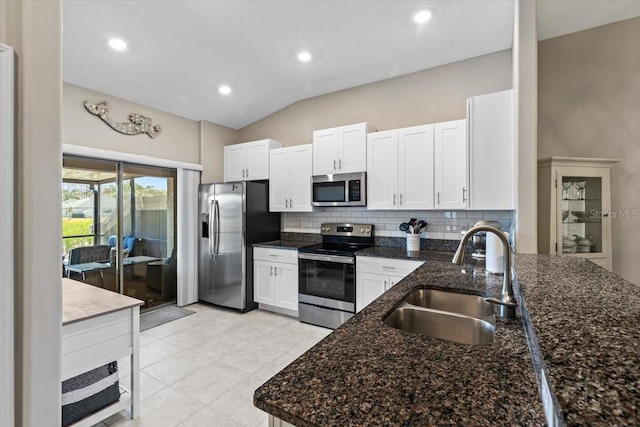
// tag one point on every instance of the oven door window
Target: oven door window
(327, 279)
(329, 191)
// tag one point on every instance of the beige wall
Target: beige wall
(589, 106)
(428, 96)
(213, 138)
(34, 29)
(179, 139)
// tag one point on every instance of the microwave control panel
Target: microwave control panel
(354, 190)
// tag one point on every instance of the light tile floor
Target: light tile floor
(202, 370)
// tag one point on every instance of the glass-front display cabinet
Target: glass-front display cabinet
(574, 208)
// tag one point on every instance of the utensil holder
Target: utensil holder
(413, 242)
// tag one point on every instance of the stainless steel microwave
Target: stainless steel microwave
(340, 189)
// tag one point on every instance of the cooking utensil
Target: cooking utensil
(404, 227)
(421, 226)
(411, 229)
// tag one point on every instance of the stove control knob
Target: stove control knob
(368, 230)
(362, 230)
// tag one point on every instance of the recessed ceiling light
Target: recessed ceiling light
(117, 44)
(422, 16)
(225, 90)
(304, 57)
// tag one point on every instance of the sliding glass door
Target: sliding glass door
(119, 228)
(149, 219)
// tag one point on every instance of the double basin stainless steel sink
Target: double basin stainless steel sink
(461, 318)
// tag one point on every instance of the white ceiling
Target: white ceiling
(179, 52)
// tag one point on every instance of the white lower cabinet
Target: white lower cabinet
(374, 276)
(277, 422)
(275, 280)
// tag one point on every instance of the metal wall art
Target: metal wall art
(137, 123)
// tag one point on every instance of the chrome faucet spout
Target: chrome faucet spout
(507, 302)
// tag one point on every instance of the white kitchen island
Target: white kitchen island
(99, 327)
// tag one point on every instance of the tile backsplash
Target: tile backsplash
(441, 224)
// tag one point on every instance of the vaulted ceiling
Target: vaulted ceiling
(179, 52)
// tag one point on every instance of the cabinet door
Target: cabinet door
(234, 162)
(451, 165)
(325, 151)
(369, 287)
(286, 292)
(382, 170)
(300, 161)
(491, 151)
(583, 221)
(352, 147)
(415, 167)
(263, 282)
(257, 163)
(279, 180)
(393, 280)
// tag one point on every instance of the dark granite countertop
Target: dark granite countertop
(283, 244)
(397, 253)
(585, 322)
(368, 374)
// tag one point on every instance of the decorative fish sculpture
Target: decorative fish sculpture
(137, 123)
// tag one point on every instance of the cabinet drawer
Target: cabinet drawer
(393, 267)
(286, 256)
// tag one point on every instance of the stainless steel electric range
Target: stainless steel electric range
(327, 274)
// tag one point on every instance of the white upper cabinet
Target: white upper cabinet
(340, 150)
(279, 180)
(415, 166)
(290, 179)
(248, 161)
(325, 151)
(491, 151)
(450, 165)
(300, 179)
(400, 169)
(258, 160)
(234, 162)
(382, 166)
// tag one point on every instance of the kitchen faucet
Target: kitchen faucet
(507, 301)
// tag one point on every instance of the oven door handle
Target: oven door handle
(328, 258)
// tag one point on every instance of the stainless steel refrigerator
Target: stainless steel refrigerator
(233, 217)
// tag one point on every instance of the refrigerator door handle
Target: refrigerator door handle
(216, 213)
(211, 228)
